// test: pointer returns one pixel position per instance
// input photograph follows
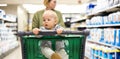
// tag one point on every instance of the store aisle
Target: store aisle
(16, 54)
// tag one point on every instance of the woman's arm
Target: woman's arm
(61, 22)
(35, 21)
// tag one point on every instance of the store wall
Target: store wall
(22, 19)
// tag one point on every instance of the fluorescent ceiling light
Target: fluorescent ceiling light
(63, 8)
(3, 4)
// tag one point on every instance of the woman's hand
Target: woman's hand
(36, 31)
(59, 31)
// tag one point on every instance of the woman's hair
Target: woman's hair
(51, 13)
(46, 2)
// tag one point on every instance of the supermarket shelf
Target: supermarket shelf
(9, 21)
(81, 27)
(100, 43)
(8, 52)
(78, 20)
(98, 56)
(103, 26)
(1, 18)
(99, 26)
(107, 10)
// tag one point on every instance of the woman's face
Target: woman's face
(52, 4)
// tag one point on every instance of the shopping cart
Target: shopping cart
(74, 43)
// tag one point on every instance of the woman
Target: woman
(37, 19)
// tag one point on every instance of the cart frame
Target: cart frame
(52, 33)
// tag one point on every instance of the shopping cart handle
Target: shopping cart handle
(86, 32)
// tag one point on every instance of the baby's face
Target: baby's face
(49, 22)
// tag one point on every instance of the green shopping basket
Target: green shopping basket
(74, 43)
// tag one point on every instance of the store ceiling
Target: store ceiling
(36, 1)
(63, 4)
(40, 1)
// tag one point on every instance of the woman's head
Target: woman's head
(50, 19)
(50, 4)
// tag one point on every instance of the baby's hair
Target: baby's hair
(51, 13)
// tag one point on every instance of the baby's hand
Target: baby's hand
(36, 31)
(59, 31)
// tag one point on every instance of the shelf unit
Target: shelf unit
(79, 20)
(102, 12)
(103, 26)
(6, 40)
(102, 43)
(13, 25)
(106, 10)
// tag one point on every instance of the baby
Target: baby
(50, 21)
